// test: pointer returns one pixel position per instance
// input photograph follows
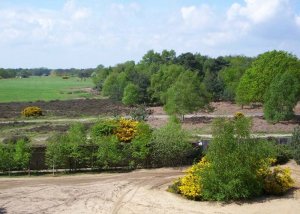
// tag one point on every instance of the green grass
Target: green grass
(42, 88)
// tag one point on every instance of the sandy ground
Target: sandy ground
(141, 191)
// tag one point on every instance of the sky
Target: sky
(85, 34)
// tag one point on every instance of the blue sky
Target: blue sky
(81, 34)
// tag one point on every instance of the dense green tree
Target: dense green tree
(257, 79)
(231, 74)
(186, 95)
(22, 154)
(76, 137)
(281, 97)
(162, 81)
(57, 152)
(131, 95)
(114, 85)
(109, 153)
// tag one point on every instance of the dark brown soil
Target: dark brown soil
(67, 108)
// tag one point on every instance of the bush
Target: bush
(126, 130)
(109, 152)
(139, 147)
(104, 128)
(140, 113)
(277, 181)
(284, 153)
(170, 145)
(234, 161)
(32, 111)
(238, 115)
(190, 185)
(295, 144)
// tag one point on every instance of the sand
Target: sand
(140, 191)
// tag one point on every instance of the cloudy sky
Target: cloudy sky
(81, 34)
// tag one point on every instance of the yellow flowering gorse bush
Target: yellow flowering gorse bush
(32, 111)
(126, 130)
(238, 115)
(190, 184)
(277, 181)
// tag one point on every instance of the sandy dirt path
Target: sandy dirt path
(141, 191)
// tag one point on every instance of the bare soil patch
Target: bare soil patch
(141, 191)
(66, 108)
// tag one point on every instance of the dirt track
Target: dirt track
(141, 191)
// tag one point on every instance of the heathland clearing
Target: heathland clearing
(44, 88)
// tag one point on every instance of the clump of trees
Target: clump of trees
(271, 79)
(15, 156)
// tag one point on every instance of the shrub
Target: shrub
(284, 153)
(109, 151)
(234, 161)
(295, 144)
(170, 145)
(238, 115)
(277, 181)
(126, 130)
(104, 128)
(57, 152)
(140, 113)
(22, 154)
(32, 111)
(190, 185)
(139, 147)
(65, 77)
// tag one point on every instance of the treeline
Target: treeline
(27, 72)
(188, 82)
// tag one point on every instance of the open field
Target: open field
(140, 191)
(43, 88)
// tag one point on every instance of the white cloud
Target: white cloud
(257, 11)
(197, 17)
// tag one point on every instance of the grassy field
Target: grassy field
(43, 88)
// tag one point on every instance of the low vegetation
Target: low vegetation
(235, 167)
(43, 88)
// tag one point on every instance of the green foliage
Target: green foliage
(231, 75)
(162, 81)
(114, 85)
(140, 113)
(22, 154)
(295, 144)
(186, 95)
(257, 79)
(76, 138)
(131, 95)
(281, 97)
(284, 153)
(234, 161)
(109, 151)
(57, 152)
(139, 147)
(170, 145)
(104, 127)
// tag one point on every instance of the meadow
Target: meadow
(43, 88)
